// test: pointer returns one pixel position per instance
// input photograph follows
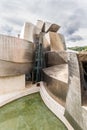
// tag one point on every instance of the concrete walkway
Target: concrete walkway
(8, 97)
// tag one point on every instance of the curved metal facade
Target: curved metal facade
(16, 56)
(15, 50)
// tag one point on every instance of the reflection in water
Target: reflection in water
(28, 113)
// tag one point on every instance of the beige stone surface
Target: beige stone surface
(12, 68)
(54, 106)
(28, 32)
(84, 115)
(59, 72)
(53, 41)
(37, 32)
(11, 84)
(63, 40)
(57, 42)
(82, 56)
(75, 112)
(8, 97)
(46, 42)
(56, 79)
(59, 58)
(40, 24)
(51, 27)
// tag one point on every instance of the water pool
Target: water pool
(29, 113)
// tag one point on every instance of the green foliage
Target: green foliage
(84, 48)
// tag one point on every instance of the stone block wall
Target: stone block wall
(74, 111)
(12, 84)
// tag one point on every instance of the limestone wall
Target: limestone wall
(12, 84)
(54, 106)
(74, 111)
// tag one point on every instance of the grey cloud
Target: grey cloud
(9, 30)
(51, 10)
(6, 29)
(72, 27)
(67, 13)
(74, 38)
(74, 23)
(15, 21)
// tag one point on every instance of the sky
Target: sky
(71, 15)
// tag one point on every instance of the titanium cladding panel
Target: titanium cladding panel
(16, 56)
(15, 49)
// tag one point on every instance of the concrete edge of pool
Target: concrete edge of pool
(54, 106)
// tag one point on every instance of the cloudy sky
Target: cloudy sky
(71, 15)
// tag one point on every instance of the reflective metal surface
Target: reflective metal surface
(56, 58)
(54, 42)
(16, 56)
(12, 68)
(15, 49)
(82, 56)
(51, 27)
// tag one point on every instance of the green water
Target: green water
(28, 113)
